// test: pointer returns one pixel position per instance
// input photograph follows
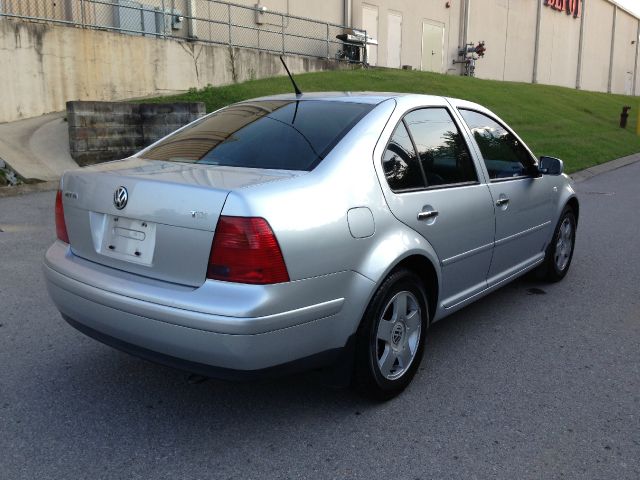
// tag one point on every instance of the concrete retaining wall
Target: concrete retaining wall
(102, 131)
(47, 65)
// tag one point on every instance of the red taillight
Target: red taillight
(245, 250)
(61, 227)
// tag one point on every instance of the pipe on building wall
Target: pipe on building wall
(536, 47)
(581, 46)
(465, 14)
(635, 67)
(346, 12)
(613, 48)
(461, 24)
(467, 19)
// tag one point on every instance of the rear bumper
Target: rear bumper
(317, 360)
(128, 320)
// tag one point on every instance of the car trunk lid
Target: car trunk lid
(169, 213)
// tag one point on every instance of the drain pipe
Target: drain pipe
(635, 68)
(536, 47)
(613, 47)
(581, 45)
(467, 17)
(465, 13)
(346, 12)
(461, 30)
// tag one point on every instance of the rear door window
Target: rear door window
(400, 162)
(442, 151)
(274, 134)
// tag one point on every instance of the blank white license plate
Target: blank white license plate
(128, 239)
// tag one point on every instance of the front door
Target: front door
(435, 190)
(522, 198)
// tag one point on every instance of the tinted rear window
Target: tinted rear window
(283, 134)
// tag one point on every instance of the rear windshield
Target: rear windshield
(275, 134)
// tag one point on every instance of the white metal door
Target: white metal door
(370, 24)
(394, 40)
(628, 84)
(432, 47)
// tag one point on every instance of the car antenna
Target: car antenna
(295, 86)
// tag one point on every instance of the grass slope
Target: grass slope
(580, 127)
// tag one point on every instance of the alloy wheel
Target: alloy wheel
(564, 245)
(398, 335)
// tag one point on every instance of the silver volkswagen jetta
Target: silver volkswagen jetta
(301, 231)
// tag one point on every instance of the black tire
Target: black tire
(368, 376)
(552, 270)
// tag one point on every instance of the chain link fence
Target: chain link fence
(206, 21)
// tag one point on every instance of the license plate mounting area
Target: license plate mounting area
(127, 239)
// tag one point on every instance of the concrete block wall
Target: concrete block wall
(103, 131)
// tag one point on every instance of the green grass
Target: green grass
(580, 127)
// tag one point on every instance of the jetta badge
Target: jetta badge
(120, 198)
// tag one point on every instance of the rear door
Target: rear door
(523, 199)
(436, 190)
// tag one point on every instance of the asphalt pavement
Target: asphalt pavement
(535, 381)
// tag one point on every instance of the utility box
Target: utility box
(177, 20)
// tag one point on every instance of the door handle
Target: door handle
(428, 214)
(502, 201)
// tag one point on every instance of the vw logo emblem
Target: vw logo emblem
(120, 198)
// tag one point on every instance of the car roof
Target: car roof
(355, 97)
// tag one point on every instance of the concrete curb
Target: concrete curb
(577, 177)
(587, 173)
(28, 188)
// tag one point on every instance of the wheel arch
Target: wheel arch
(425, 270)
(403, 249)
(575, 206)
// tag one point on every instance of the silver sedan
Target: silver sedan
(306, 231)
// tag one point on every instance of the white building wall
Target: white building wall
(509, 29)
(488, 22)
(624, 53)
(413, 14)
(325, 10)
(637, 67)
(559, 47)
(597, 45)
(520, 44)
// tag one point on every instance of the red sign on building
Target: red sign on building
(572, 7)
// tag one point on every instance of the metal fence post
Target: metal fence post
(229, 18)
(164, 21)
(327, 40)
(82, 21)
(282, 31)
(366, 48)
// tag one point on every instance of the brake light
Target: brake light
(61, 227)
(245, 250)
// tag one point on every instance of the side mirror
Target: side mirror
(551, 166)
